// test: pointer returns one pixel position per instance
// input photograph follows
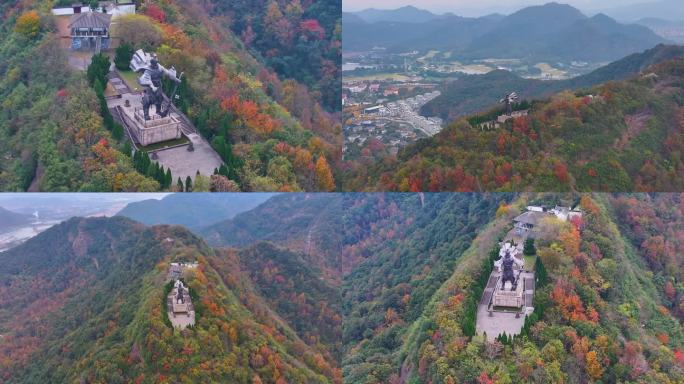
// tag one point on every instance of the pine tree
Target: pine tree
(161, 175)
(180, 185)
(118, 132)
(168, 178)
(127, 149)
(188, 184)
(146, 162)
(123, 56)
(152, 171)
(540, 272)
(98, 87)
(529, 249)
(223, 170)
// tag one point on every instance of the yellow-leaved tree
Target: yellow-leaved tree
(28, 24)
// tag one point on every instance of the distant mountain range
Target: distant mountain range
(669, 29)
(9, 219)
(662, 9)
(408, 14)
(191, 212)
(474, 93)
(550, 32)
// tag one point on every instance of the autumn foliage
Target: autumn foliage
(28, 24)
(247, 112)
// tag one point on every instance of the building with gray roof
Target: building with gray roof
(90, 31)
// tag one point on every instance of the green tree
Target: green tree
(188, 184)
(168, 178)
(202, 184)
(28, 24)
(117, 133)
(98, 69)
(529, 248)
(124, 54)
(127, 149)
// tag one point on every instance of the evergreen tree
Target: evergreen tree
(98, 69)
(98, 87)
(168, 178)
(529, 248)
(117, 132)
(223, 170)
(540, 272)
(127, 149)
(123, 56)
(180, 185)
(151, 170)
(161, 175)
(146, 162)
(188, 184)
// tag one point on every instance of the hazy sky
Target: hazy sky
(477, 7)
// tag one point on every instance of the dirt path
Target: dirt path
(35, 184)
(636, 123)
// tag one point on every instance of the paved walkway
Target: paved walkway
(496, 323)
(183, 163)
(180, 320)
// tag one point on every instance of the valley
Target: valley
(372, 288)
(589, 133)
(471, 63)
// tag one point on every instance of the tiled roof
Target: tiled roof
(90, 20)
(530, 217)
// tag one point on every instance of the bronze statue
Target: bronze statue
(507, 264)
(509, 100)
(151, 80)
(507, 273)
(180, 299)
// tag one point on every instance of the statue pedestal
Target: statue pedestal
(155, 130)
(507, 298)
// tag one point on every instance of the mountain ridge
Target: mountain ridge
(9, 219)
(96, 303)
(182, 209)
(615, 137)
(531, 33)
(474, 93)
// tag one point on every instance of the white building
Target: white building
(113, 8)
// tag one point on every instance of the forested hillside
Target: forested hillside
(600, 316)
(393, 303)
(654, 224)
(308, 223)
(294, 289)
(475, 93)
(399, 249)
(297, 39)
(271, 131)
(190, 211)
(619, 136)
(95, 304)
(52, 137)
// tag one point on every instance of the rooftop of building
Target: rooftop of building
(90, 20)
